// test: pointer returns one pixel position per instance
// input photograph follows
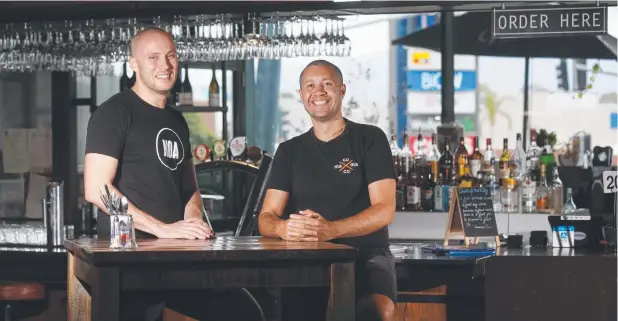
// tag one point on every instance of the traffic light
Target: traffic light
(563, 77)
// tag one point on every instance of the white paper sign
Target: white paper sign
(610, 182)
(40, 149)
(15, 156)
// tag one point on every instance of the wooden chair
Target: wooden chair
(12, 294)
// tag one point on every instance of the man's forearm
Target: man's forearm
(366, 222)
(142, 220)
(193, 209)
(268, 223)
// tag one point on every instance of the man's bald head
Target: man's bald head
(145, 34)
(155, 61)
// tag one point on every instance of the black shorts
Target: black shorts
(375, 273)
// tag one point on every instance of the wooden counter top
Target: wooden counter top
(220, 249)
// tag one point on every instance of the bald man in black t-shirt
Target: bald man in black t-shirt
(339, 181)
(139, 147)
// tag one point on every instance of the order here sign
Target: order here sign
(548, 22)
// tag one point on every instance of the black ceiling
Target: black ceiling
(33, 11)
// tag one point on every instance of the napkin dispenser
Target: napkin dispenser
(576, 231)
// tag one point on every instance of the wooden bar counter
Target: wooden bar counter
(97, 276)
(529, 284)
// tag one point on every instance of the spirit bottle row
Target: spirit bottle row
(517, 179)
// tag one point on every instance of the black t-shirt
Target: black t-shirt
(152, 147)
(332, 178)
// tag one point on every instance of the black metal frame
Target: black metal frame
(255, 200)
(64, 141)
(40, 11)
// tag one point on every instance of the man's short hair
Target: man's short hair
(143, 31)
(321, 62)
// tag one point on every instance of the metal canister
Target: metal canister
(53, 213)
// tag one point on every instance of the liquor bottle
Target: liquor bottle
(428, 193)
(503, 163)
(438, 195)
(433, 157)
(569, 206)
(174, 95)
(213, 91)
(533, 153)
(395, 151)
(518, 159)
(186, 95)
(547, 156)
(413, 190)
(492, 183)
(489, 157)
(461, 159)
(445, 163)
(406, 157)
(464, 179)
(405, 162)
(124, 79)
(420, 159)
(542, 193)
(476, 160)
(556, 192)
(401, 189)
(528, 193)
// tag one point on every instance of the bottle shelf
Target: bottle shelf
(199, 109)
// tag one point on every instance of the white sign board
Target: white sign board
(610, 182)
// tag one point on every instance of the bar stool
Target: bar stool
(12, 293)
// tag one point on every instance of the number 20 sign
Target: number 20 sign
(610, 182)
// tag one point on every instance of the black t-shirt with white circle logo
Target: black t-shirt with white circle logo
(332, 178)
(152, 148)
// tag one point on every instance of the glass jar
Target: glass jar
(510, 196)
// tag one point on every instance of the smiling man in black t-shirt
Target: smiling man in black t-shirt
(339, 180)
(139, 148)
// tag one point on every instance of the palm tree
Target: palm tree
(493, 106)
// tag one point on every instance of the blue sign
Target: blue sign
(425, 80)
(613, 120)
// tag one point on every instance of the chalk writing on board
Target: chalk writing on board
(476, 206)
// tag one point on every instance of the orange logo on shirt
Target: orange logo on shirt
(346, 166)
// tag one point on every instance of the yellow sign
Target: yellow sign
(420, 58)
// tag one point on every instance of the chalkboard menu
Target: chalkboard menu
(471, 212)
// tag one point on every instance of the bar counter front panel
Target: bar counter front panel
(513, 285)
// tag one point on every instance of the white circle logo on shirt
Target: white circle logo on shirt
(170, 150)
